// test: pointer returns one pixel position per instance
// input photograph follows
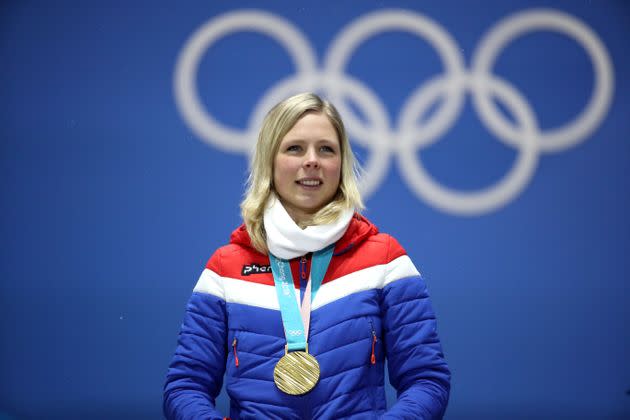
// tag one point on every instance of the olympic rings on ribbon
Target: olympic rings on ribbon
(409, 134)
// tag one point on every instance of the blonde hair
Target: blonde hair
(275, 126)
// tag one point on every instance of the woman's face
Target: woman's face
(307, 167)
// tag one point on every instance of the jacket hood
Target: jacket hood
(358, 231)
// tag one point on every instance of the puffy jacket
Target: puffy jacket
(373, 305)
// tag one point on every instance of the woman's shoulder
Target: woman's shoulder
(238, 252)
(384, 245)
(365, 236)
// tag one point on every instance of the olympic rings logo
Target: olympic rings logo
(410, 133)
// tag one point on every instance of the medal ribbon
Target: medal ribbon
(296, 317)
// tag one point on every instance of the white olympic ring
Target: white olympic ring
(410, 132)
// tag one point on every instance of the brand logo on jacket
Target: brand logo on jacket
(416, 127)
(250, 269)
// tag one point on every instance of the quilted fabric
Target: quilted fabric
(372, 305)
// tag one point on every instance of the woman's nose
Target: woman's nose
(311, 160)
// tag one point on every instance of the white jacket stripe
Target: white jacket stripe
(264, 296)
(210, 283)
(375, 277)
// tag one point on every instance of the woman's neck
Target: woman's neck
(300, 217)
(286, 240)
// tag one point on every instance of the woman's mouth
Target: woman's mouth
(310, 183)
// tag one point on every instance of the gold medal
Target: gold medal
(296, 373)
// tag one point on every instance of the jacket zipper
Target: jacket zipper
(303, 262)
(235, 355)
(302, 274)
(373, 356)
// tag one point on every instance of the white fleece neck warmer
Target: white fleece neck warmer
(286, 240)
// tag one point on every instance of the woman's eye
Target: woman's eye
(293, 148)
(327, 149)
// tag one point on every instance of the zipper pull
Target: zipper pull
(235, 355)
(303, 262)
(373, 358)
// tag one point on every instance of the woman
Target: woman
(303, 307)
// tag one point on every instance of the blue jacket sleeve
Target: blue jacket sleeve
(416, 364)
(195, 375)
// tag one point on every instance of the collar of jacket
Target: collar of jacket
(359, 229)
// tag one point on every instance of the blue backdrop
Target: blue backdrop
(494, 136)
